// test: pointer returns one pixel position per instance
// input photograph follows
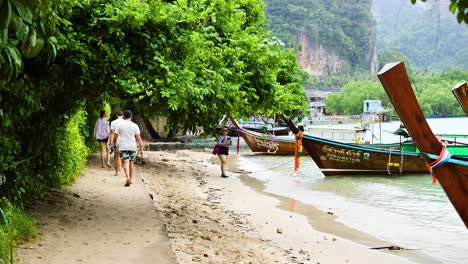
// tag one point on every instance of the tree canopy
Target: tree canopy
(433, 93)
(191, 61)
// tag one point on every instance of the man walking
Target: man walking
(127, 135)
(113, 127)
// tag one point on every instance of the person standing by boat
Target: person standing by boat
(101, 133)
(224, 142)
(300, 121)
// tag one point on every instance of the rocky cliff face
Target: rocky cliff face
(317, 60)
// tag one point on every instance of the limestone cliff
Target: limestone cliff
(318, 60)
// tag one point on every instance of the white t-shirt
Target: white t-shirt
(127, 130)
(115, 124)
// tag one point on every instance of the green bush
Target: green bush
(15, 227)
(71, 149)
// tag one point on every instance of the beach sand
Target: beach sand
(214, 220)
(195, 216)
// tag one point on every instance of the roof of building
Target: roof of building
(316, 93)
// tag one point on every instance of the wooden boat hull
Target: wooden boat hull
(259, 143)
(453, 175)
(279, 131)
(265, 144)
(461, 93)
(336, 158)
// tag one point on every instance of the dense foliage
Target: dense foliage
(189, 61)
(425, 33)
(433, 93)
(346, 27)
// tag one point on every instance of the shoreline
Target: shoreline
(325, 222)
(241, 213)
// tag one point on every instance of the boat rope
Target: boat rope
(444, 157)
(271, 168)
(401, 162)
(298, 150)
(389, 159)
(273, 137)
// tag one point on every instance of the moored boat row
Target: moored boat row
(428, 153)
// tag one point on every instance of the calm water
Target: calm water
(408, 211)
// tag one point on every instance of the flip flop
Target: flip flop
(127, 183)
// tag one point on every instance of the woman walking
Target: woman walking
(224, 143)
(101, 132)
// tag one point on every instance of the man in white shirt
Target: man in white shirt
(127, 135)
(113, 127)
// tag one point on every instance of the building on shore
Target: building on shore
(317, 108)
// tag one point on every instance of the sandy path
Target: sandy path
(107, 223)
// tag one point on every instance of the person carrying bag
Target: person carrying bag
(222, 150)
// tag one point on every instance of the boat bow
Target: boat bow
(453, 176)
(461, 93)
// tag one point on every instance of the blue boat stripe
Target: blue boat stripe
(455, 161)
(357, 147)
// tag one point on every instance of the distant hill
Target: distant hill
(426, 33)
(330, 37)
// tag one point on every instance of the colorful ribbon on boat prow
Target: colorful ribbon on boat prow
(238, 142)
(298, 150)
(444, 157)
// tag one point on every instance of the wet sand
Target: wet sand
(326, 222)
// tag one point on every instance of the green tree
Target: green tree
(433, 93)
(190, 61)
(349, 101)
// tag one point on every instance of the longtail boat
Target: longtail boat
(338, 158)
(259, 127)
(461, 93)
(450, 171)
(261, 143)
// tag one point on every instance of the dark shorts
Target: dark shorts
(128, 155)
(223, 151)
(102, 140)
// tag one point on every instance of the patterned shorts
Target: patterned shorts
(128, 155)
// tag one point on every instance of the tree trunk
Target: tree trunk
(172, 133)
(154, 134)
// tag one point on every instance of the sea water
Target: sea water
(405, 210)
